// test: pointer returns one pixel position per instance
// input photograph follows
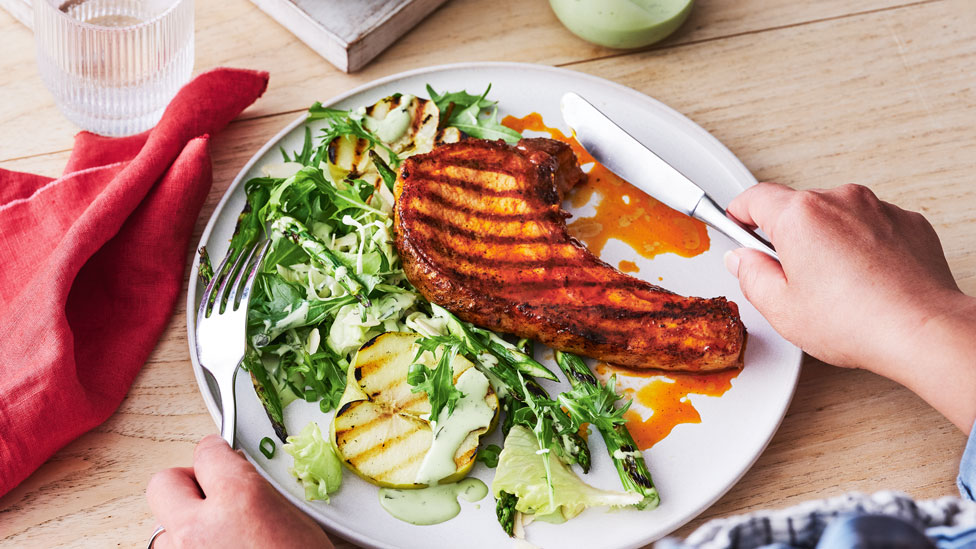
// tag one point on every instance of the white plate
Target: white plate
(692, 467)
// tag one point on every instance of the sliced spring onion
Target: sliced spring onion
(267, 447)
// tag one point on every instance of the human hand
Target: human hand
(222, 501)
(858, 275)
(861, 283)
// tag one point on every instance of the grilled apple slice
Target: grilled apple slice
(379, 430)
(411, 125)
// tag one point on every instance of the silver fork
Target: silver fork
(221, 326)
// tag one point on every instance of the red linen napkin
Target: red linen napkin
(92, 263)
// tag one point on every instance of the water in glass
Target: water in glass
(113, 65)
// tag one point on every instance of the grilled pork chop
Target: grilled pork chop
(480, 231)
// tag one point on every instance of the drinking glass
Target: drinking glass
(113, 65)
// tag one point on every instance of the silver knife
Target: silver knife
(623, 155)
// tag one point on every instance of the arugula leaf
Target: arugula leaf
(323, 374)
(465, 112)
(299, 372)
(308, 151)
(595, 404)
(278, 306)
(318, 112)
(308, 194)
(282, 252)
(462, 98)
(438, 383)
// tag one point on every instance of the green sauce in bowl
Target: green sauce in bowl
(622, 23)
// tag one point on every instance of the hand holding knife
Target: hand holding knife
(616, 149)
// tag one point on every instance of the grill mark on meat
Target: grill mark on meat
(475, 199)
(478, 261)
(478, 165)
(487, 253)
(536, 275)
(495, 182)
(475, 267)
(565, 294)
(530, 228)
(461, 183)
(441, 224)
(623, 313)
(431, 195)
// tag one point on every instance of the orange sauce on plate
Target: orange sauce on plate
(584, 431)
(661, 400)
(628, 267)
(626, 213)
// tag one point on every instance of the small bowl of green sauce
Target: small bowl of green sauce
(622, 24)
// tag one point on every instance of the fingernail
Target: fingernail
(731, 262)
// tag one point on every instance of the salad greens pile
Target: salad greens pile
(332, 280)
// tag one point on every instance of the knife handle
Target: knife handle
(714, 215)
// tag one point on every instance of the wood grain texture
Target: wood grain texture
(809, 94)
(238, 34)
(21, 10)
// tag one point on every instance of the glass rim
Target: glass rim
(56, 5)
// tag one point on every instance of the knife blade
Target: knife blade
(627, 157)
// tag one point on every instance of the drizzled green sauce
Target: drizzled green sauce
(431, 505)
(451, 428)
(438, 503)
(394, 124)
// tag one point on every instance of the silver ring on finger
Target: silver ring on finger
(155, 534)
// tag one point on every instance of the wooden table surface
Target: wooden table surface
(811, 94)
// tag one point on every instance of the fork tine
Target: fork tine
(248, 271)
(235, 286)
(208, 292)
(249, 284)
(226, 283)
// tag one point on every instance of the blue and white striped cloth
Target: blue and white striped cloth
(885, 520)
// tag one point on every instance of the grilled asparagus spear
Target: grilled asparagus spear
(593, 402)
(317, 250)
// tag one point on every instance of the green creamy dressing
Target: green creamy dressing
(470, 413)
(438, 503)
(431, 505)
(292, 319)
(622, 23)
(394, 124)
